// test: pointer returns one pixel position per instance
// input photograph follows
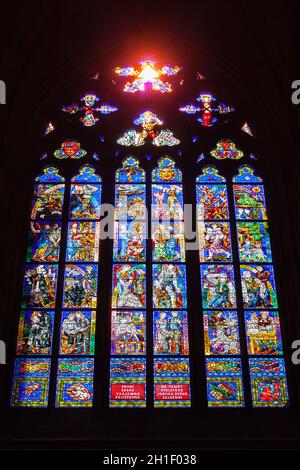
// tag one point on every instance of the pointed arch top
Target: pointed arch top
(210, 174)
(50, 175)
(166, 171)
(130, 172)
(246, 175)
(87, 174)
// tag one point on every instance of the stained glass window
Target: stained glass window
(75, 374)
(218, 284)
(169, 297)
(267, 374)
(128, 315)
(37, 316)
(149, 309)
(129, 286)
(222, 317)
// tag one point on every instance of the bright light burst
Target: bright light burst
(148, 75)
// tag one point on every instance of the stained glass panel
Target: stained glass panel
(35, 332)
(129, 241)
(214, 241)
(211, 201)
(224, 382)
(165, 137)
(83, 241)
(226, 149)
(170, 332)
(31, 383)
(80, 286)
(70, 149)
(128, 332)
(88, 109)
(169, 286)
(85, 201)
(77, 332)
(263, 332)
(207, 111)
(147, 123)
(167, 201)
(254, 242)
(129, 286)
(74, 387)
(258, 286)
(50, 175)
(39, 289)
(44, 241)
(268, 382)
(127, 382)
(130, 200)
(246, 175)
(86, 175)
(218, 287)
(168, 244)
(249, 201)
(221, 333)
(47, 201)
(171, 383)
(166, 172)
(210, 174)
(130, 172)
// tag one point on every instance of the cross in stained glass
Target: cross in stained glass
(205, 110)
(88, 109)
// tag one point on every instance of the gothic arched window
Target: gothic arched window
(157, 291)
(128, 315)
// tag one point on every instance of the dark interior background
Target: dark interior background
(249, 51)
